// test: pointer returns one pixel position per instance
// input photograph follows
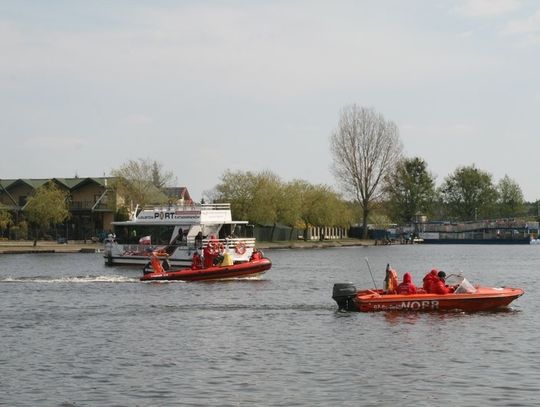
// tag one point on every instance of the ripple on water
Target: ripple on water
(75, 332)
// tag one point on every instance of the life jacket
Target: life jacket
(156, 264)
(391, 281)
(227, 260)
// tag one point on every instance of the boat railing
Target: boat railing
(230, 242)
(470, 226)
(187, 207)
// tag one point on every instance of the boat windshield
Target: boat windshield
(461, 283)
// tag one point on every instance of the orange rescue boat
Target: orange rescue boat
(257, 265)
(465, 297)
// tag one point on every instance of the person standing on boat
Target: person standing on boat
(407, 286)
(391, 280)
(198, 240)
(179, 238)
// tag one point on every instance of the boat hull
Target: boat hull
(251, 268)
(484, 299)
(142, 260)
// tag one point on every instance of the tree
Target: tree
(257, 197)
(5, 220)
(469, 193)
(141, 182)
(410, 189)
(511, 202)
(262, 198)
(48, 206)
(319, 205)
(365, 148)
(236, 188)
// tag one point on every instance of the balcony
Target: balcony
(90, 205)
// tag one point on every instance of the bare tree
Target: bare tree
(365, 147)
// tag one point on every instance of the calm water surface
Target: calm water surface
(76, 333)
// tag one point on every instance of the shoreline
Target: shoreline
(27, 247)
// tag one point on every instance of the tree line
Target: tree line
(370, 167)
(376, 184)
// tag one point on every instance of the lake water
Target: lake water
(76, 333)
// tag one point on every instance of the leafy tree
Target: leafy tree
(511, 202)
(5, 220)
(266, 198)
(410, 189)
(262, 198)
(469, 193)
(365, 148)
(320, 206)
(238, 189)
(48, 206)
(141, 182)
(257, 197)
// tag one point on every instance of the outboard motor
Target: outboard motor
(344, 294)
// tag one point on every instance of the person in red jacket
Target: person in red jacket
(439, 286)
(429, 280)
(407, 286)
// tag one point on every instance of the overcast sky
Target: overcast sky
(206, 86)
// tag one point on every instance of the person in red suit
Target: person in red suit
(439, 286)
(407, 286)
(429, 280)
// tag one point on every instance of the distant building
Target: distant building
(179, 195)
(93, 203)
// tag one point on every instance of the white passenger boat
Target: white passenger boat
(176, 232)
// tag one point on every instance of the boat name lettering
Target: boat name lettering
(412, 305)
(174, 215)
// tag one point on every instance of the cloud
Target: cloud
(137, 120)
(527, 25)
(486, 8)
(54, 143)
(275, 50)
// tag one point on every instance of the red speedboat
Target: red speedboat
(254, 266)
(465, 297)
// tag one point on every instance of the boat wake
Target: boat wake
(209, 281)
(70, 279)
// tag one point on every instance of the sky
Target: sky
(208, 86)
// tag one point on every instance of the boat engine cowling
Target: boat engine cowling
(344, 294)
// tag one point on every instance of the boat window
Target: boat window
(160, 234)
(465, 287)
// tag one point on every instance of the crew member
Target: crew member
(429, 280)
(439, 285)
(391, 280)
(407, 286)
(196, 262)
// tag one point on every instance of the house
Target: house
(178, 195)
(92, 203)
